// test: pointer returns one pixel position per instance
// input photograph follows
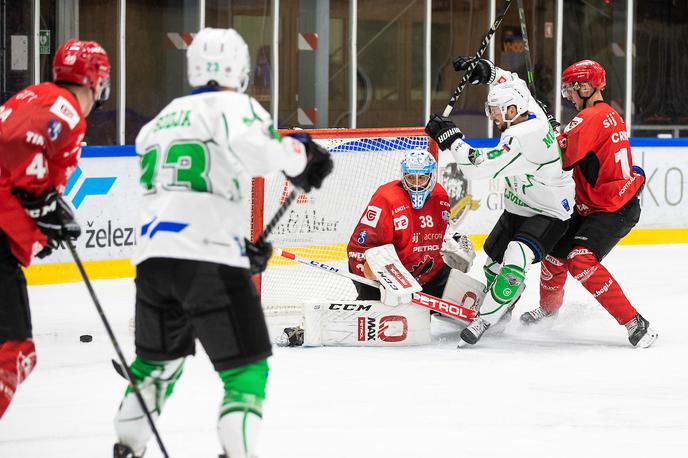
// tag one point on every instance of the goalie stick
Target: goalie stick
(442, 306)
(483, 46)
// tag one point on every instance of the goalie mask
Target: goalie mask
(218, 57)
(419, 175)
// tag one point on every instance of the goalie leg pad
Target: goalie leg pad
(365, 323)
(241, 411)
(156, 381)
(464, 290)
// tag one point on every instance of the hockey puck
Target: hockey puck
(86, 338)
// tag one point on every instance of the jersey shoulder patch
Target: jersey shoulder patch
(575, 122)
(65, 111)
(371, 216)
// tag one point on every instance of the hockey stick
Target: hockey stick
(442, 306)
(115, 344)
(483, 46)
(278, 215)
(529, 66)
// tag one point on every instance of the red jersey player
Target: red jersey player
(595, 145)
(412, 214)
(41, 129)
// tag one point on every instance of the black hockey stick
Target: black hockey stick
(483, 46)
(529, 66)
(123, 362)
(278, 215)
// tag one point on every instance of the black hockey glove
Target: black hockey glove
(318, 164)
(259, 254)
(443, 131)
(52, 215)
(550, 117)
(483, 73)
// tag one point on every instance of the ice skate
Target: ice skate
(291, 337)
(640, 334)
(536, 316)
(122, 451)
(473, 332)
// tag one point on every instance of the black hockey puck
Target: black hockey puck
(86, 338)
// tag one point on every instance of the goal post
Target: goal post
(318, 225)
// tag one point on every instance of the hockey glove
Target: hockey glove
(52, 215)
(318, 164)
(443, 131)
(483, 73)
(259, 254)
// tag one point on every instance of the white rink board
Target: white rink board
(109, 220)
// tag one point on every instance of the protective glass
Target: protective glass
(493, 112)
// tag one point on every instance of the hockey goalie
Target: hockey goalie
(403, 244)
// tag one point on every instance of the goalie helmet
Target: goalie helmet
(218, 57)
(419, 175)
(503, 95)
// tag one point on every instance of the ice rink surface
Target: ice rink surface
(572, 389)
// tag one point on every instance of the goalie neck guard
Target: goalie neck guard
(419, 175)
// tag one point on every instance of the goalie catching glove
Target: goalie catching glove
(318, 164)
(457, 250)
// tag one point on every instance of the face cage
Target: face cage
(104, 92)
(418, 196)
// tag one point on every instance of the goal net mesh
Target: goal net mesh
(318, 226)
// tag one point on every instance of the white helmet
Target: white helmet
(218, 56)
(506, 94)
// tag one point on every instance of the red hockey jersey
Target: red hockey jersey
(416, 234)
(599, 153)
(41, 129)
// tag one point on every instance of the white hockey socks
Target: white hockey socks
(241, 411)
(156, 380)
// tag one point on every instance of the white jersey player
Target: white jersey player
(192, 268)
(538, 196)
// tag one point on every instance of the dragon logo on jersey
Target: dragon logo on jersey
(573, 124)
(458, 189)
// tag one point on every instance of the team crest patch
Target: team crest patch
(573, 124)
(445, 215)
(565, 204)
(54, 129)
(371, 216)
(361, 237)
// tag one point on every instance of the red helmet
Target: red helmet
(585, 71)
(84, 63)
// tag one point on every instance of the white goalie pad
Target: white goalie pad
(396, 282)
(365, 324)
(464, 290)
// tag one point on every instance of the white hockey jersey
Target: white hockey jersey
(197, 156)
(529, 160)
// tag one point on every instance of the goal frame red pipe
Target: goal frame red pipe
(258, 183)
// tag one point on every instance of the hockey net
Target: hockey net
(318, 225)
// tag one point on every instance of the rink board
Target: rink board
(105, 193)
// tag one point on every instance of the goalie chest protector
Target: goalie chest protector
(416, 234)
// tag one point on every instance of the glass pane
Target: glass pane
(596, 29)
(510, 49)
(47, 38)
(98, 21)
(17, 54)
(253, 20)
(158, 33)
(385, 64)
(660, 96)
(457, 29)
(303, 83)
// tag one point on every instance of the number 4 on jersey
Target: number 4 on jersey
(38, 166)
